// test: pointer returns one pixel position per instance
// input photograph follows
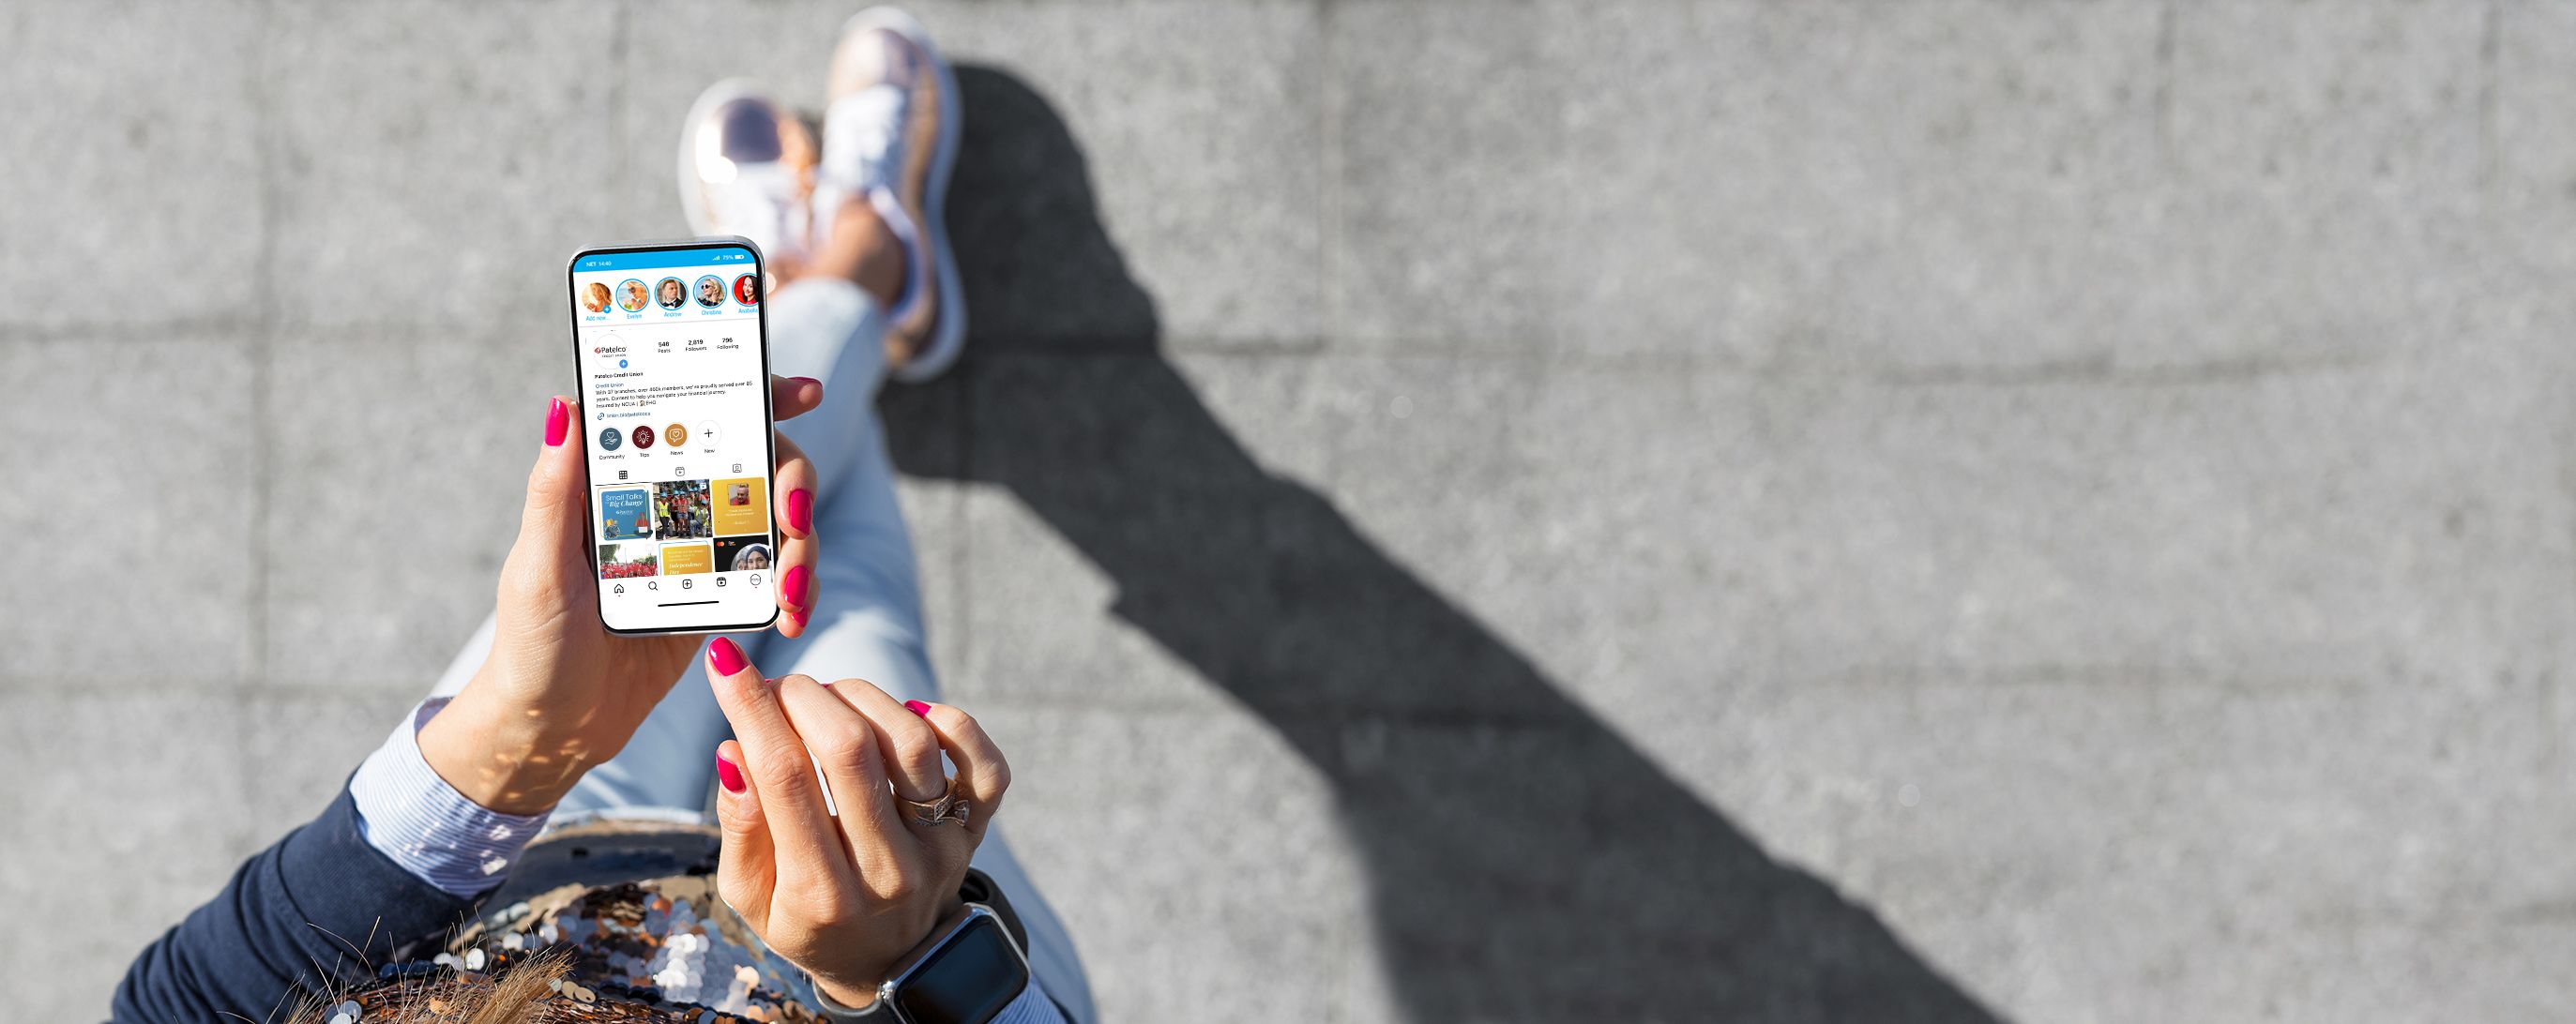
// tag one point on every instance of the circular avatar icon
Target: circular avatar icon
(711, 291)
(675, 435)
(609, 439)
(746, 289)
(671, 293)
(643, 437)
(630, 296)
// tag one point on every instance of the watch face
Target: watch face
(967, 980)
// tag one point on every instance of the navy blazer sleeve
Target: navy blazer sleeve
(295, 915)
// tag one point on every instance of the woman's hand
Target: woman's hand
(843, 897)
(559, 693)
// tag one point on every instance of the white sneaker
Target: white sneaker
(890, 135)
(746, 168)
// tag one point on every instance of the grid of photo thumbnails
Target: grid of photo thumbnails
(677, 527)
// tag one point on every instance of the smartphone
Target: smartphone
(672, 346)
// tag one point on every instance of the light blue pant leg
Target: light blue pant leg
(867, 624)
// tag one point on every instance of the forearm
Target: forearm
(320, 906)
(397, 860)
(500, 759)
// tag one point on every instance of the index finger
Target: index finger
(782, 773)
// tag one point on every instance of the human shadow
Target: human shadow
(1524, 862)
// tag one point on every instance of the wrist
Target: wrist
(854, 1000)
(503, 761)
(858, 997)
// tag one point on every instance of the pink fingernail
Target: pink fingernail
(917, 707)
(725, 656)
(800, 510)
(558, 422)
(799, 615)
(796, 584)
(810, 380)
(729, 774)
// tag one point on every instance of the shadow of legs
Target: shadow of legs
(1525, 862)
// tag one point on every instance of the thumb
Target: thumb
(547, 562)
(556, 504)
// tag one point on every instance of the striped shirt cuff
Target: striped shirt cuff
(425, 826)
(1032, 1007)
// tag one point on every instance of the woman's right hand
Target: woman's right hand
(846, 897)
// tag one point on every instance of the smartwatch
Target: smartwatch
(964, 973)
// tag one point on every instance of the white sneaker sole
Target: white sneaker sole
(693, 196)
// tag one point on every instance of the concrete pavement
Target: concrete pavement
(1460, 511)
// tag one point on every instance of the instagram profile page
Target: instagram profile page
(675, 406)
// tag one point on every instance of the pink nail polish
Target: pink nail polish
(730, 775)
(800, 510)
(797, 585)
(917, 707)
(558, 422)
(725, 656)
(799, 615)
(809, 380)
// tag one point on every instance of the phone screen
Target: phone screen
(672, 350)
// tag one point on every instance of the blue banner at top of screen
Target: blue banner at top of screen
(657, 259)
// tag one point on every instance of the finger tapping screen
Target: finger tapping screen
(675, 416)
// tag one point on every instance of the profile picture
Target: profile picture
(738, 494)
(711, 291)
(751, 556)
(631, 296)
(594, 297)
(671, 293)
(746, 289)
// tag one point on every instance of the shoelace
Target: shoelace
(863, 140)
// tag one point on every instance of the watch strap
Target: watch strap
(980, 888)
(977, 887)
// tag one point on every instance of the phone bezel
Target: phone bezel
(768, 434)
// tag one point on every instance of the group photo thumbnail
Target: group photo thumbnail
(629, 560)
(680, 510)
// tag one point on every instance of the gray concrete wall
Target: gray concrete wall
(1611, 509)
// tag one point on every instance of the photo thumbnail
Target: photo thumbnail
(627, 561)
(711, 291)
(631, 297)
(626, 514)
(744, 554)
(741, 505)
(671, 293)
(680, 510)
(683, 559)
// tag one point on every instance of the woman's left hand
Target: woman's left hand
(559, 693)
